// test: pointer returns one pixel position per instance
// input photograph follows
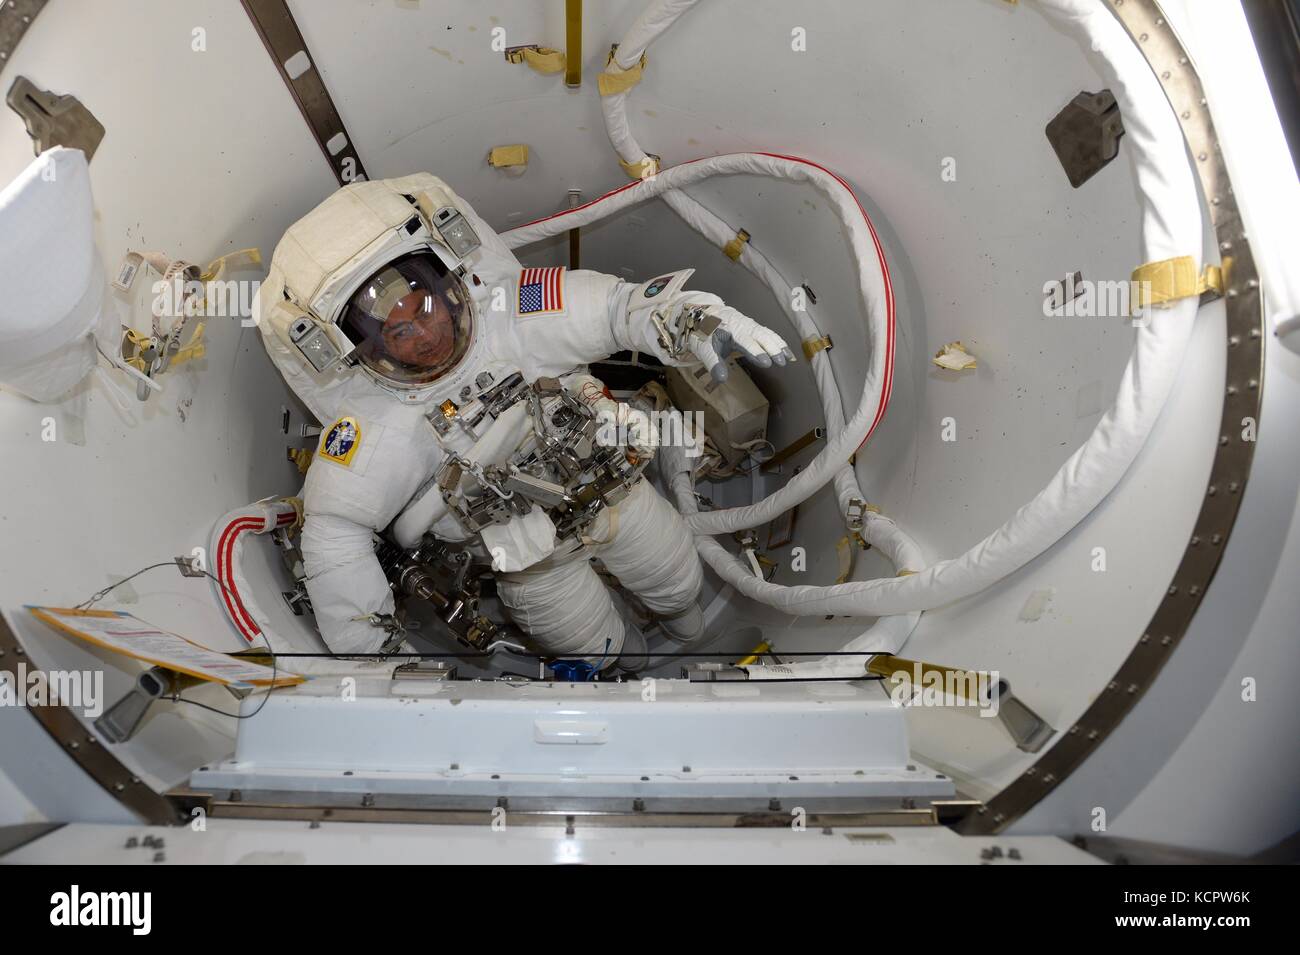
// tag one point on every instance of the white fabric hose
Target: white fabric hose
(1171, 227)
(889, 632)
(873, 285)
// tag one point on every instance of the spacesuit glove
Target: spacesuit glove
(620, 424)
(737, 332)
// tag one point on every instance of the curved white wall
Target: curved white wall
(206, 152)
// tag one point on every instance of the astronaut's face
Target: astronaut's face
(411, 322)
(419, 330)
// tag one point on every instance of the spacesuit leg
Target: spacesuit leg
(565, 608)
(649, 548)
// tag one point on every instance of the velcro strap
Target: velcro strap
(845, 550)
(1159, 284)
(812, 346)
(242, 259)
(733, 248)
(647, 168)
(543, 59)
(615, 80)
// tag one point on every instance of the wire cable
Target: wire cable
(177, 698)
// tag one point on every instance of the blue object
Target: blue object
(573, 671)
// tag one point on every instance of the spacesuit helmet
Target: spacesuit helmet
(411, 321)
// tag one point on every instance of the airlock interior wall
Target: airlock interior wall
(206, 153)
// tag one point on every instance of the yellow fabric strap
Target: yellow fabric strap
(615, 80)
(812, 346)
(845, 550)
(647, 168)
(954, 357)
(733, 248)
(243, 259)
(296, 504)
(140, 342)
(302, 458)
(754, 654)
(515, 154)
(194, 348)
(543, 59)
(905, 573)
(844, 554)
(1169, 280)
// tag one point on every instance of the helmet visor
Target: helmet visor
(411, 321)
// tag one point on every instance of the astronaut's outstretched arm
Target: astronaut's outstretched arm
(346, 585)
(608, 315)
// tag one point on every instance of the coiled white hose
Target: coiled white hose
(1171, 227)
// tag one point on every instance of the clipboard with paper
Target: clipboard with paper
(124, 633)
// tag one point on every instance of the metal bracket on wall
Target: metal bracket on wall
(1085, 135)
(55, 120)
(283, 40)
(15, 17)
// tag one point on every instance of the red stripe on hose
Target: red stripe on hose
(225, 546)
(887, 386)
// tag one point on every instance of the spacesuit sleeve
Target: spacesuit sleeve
(345, 583)
(366, 468)
(581, 331)
(593, 316)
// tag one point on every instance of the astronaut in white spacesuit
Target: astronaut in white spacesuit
(412, 332)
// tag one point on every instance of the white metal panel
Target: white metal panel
(247, 842)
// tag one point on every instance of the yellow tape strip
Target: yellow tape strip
(1159, 284)
(754, 654)
(845, 551)
(615, 80)
(302, 458)
(844, 554)
(733, 248)
(544, 59)
(502, 157)
(647, 168)
(194, 349)
(812, 346)
(243, 259)
(296, 504)
(954, 357)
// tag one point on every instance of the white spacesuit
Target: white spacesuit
(412, 332)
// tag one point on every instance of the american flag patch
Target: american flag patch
(541, 290)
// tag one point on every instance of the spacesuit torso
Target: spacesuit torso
(383, 448)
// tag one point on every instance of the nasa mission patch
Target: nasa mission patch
(657, 286)
(341, 441)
